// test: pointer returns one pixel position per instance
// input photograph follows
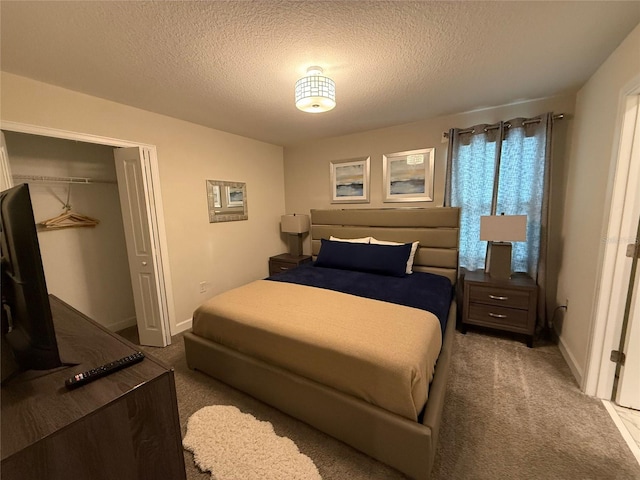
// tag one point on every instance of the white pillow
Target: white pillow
(414, 248)
(350, 240)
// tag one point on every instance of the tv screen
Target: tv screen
(27, 323)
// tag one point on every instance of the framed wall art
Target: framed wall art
(408, 176)
(349, 180)
(215, 196)
(235, 196)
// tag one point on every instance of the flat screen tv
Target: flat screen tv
(27, 324)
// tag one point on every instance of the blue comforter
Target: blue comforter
(425, 291)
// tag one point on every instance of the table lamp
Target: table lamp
(295, 226)
(501, 230)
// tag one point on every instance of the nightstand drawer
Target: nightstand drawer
(501, 317)
(500, 303)
(277, 267)
(502, 297)
(283, 262)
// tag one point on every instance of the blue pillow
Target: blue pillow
(381, 259)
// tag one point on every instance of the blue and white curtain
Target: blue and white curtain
(502, 168)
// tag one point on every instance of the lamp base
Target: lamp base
(500, 260)
(295, 245)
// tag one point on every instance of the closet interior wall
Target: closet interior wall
(87, 267)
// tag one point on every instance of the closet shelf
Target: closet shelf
(47, 179)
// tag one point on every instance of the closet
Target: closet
(76, 204)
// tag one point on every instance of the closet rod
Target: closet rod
(559, 116)
(74, 180)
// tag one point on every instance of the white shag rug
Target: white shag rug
(236, 446)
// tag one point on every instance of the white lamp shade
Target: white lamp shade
(503, 228)
(294, 223)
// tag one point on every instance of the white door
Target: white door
(138, 210)
(629, 385)
(628, 394)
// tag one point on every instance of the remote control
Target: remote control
(86, 377)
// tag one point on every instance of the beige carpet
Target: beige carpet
(511, 413)
(234, 445)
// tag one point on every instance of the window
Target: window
(496, 169)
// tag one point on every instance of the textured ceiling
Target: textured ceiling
(232, 66)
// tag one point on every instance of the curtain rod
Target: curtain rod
(559, 116)
(74, 180)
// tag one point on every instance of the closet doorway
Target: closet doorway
(135, 184)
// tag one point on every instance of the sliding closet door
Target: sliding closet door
(136, 200)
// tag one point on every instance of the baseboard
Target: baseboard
(569, 358)
(183, 326)
(121, 325)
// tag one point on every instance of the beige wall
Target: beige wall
(307, 164)
(590, 170)
(223, 255)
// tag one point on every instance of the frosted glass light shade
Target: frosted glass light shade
(315, 93)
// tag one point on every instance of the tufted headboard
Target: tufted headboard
(437, 229)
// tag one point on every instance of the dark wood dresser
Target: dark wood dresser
(124, 426)
(505, 304)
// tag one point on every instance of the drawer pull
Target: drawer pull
(498, 297)
(284, 268)
(497, 315)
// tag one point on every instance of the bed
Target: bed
(277, 338)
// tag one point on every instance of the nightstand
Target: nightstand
(285, 261)
(503, 304)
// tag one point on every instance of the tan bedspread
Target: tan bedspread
(380, 352)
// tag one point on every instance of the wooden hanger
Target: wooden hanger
(69, 219)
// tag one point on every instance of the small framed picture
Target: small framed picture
(215, 196)
(349, 180)
(235, 196)
(408, 176)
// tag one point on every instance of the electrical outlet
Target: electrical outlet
(203, 287)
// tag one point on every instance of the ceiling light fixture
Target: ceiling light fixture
(315, 93)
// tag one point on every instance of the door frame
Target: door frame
(158, 231)
(612, 284)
